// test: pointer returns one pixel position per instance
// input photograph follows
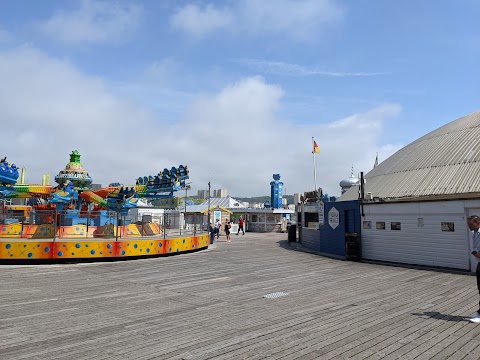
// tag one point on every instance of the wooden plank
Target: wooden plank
(210, 304)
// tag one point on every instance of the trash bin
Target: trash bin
(292, 233)
(352, 247)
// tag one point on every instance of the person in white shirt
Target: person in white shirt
(473, 223)
(218, 228)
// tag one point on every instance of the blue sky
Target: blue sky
(233, 89)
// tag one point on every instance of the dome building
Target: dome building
(348, 183)
(420, 199)
(442, 164)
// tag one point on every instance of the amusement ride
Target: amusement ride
(71, 220)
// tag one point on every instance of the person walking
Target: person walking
(211, 231)
(473, 223)
(217, 228)
(241, 222)
(227, 230)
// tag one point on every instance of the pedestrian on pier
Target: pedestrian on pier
(217, 228)
(241, 222)
(473, 223)
(227, 229)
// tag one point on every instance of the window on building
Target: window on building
(270, 218)
(311, 219)
(395, 226)
(448, 226)
(380, 225)
(367, 224)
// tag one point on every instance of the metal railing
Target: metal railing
(102, 224)
(173, 224)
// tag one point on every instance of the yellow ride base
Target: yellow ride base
(90, 248)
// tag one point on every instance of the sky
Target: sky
(235, 90)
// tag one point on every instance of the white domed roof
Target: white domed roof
(444, 162)
(352, 180)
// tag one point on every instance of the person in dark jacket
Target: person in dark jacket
(227, 229)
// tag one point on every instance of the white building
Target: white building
(257, 220)
(220, 193)
(421, 197)
(155, 215)
(202, 194)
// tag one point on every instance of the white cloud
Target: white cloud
(370, 120)
(94, 22)
(297, 18)
(199, 21)
(282, 68)
(52, 109)
(234, 138)
(162, 71)
(244, 142)
(292, 18)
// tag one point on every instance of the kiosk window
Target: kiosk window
(396, 226)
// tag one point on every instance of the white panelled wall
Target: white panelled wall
(421, 240)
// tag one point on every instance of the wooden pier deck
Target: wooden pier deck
(211, 304)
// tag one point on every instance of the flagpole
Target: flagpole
(314, 165)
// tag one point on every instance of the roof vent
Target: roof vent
(275, 295)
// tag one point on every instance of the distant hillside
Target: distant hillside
(262, 199)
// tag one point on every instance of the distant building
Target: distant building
(271, 218)
(255, 205)
(256, 219)
(226, 202)
(220, 193)
(202, 194)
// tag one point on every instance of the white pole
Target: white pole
(314, 165)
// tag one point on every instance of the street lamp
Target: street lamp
(186, 187)
(209, 207)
